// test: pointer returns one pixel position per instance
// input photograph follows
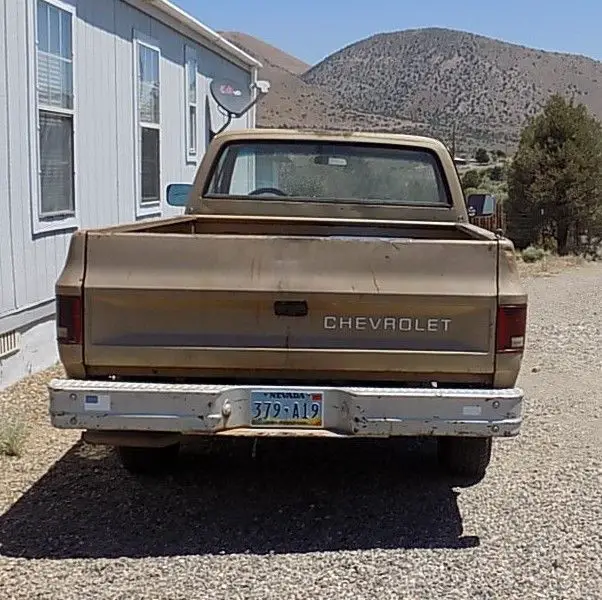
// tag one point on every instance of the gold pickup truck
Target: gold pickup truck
(318, 284)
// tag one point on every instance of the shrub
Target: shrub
(496, 173)
(13, 433)
(532, 254)
(481, 156)
(472, 179)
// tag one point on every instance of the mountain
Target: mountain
(291, 101)
(424, 81)
(270, 55)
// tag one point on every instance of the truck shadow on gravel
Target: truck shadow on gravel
(290, 497)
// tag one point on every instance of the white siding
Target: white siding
(37, 258)
(96, 113)
(106, 173)
(7, 287)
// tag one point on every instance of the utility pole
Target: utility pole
(454, 139)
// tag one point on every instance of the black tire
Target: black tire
(149, 461)
(466, 457)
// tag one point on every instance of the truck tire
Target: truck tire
(466, 457)
(148, 461)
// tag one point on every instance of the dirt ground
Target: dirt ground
(330, 520)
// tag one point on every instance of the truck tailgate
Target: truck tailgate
(285, 306)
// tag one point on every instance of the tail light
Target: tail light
(511, 328)
(69, 319)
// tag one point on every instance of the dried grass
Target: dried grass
(549, 265)
(23, 406)
(13, 435)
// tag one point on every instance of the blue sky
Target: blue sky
(312, 29)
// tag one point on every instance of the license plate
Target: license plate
(286, 408)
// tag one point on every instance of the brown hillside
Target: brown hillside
(421, 81)
(293, 103)
(269, 55)
(439, 75)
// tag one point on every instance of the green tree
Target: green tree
(555, 180)
(496, 173)
(472, 179)
(481, 156)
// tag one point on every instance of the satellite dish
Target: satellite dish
(235, 99)
(231, 96)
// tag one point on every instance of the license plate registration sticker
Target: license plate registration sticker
(286, 408)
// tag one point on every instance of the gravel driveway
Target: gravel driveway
(327, 520)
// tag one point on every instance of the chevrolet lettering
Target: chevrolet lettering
(401, 324)
(317, 285)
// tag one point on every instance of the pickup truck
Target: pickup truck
(317, 284)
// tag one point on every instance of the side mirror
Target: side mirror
(480, 205)
(177, 194)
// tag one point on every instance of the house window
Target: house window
(191, 110)
(148, 127)
(55, 110)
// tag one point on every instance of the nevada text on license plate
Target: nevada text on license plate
(292, 408)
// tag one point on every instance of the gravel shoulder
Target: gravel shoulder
(323, 520)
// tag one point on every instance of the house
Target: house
(103, 103)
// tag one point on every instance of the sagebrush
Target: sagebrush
(13, 435)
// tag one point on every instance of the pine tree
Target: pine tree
(555, 181)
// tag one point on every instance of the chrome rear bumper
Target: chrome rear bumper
(113, 407)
